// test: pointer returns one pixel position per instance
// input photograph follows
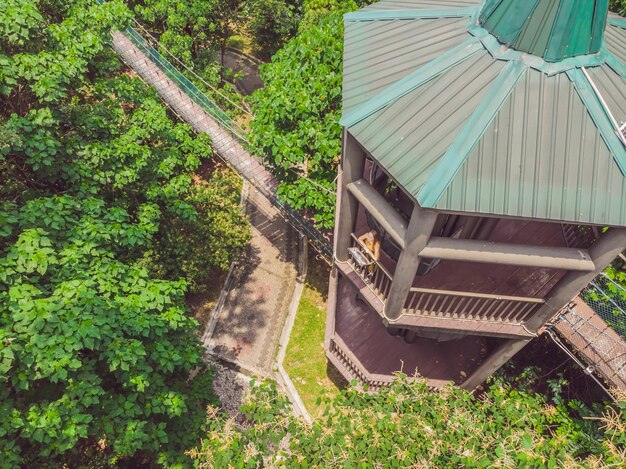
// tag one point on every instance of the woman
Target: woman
(371, 243)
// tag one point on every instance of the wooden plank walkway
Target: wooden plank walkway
(224, 144)
(595, 341)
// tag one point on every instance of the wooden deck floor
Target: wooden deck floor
(363, 332)
(492, 278)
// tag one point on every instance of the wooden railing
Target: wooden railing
(373, 274)
(579, 236)
(468, 305)
(445, 303)
(353, 367)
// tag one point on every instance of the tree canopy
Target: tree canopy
(295, 125)
(410, 425)
(105, 225)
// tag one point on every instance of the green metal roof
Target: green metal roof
(465, 124)
(552, 29)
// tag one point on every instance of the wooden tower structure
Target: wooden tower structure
(484, 149)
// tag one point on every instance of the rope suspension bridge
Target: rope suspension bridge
(193, 106)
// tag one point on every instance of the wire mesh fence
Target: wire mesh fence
(603, 351)
(607, 298)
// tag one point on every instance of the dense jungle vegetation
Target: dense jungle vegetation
(105, 225)
(112, 212)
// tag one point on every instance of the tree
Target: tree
(186, 27)
(410, 425)
(315, 10)
(295, 125)
(96, 354)
(99, 358)
(271, 23)
(196, 32)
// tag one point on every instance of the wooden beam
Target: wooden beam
(352, 164)
(510, 254)
(489, 296)
(499, 357)
(603, 252)
(379, 208)
(416, 237)
(456, 325)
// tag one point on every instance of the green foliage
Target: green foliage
(196, 32)
(271, 23)
(43, 58)
(618, 6)
(305, 360)
(295, 126)
(93, 347)
(100, 210)
(115, 140)
(194, 247)
(408, 425)
(315, 10)
(186, 27)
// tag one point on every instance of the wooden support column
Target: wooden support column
(502, 354)
(602, 253)
(352, 165)
(417, 236)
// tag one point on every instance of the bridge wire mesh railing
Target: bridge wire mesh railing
(607, 298)
(232, 143)
(608, 352)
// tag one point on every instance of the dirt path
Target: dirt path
(249, 80)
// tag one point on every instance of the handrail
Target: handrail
(196, 93)
(478, 295)
(380, 266)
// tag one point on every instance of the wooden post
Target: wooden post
(503, 354)
(602, 253)
(417, 236)
(352, 164)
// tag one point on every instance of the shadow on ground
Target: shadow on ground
(276, 230)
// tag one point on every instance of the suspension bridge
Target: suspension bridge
(192, 105)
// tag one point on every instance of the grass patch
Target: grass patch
(305, 360)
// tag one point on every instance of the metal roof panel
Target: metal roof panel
(409, 136)
(533, 161)
(379, 53)
(548, 153)
(407, 4)
(612, 87)
(615, 39)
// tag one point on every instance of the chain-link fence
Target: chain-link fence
(608, 299)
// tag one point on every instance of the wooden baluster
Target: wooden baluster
(409, 304)
(421, 298)
(496, 312)
(509, 312)
(491, 311)
(455, 306)
(438, 305)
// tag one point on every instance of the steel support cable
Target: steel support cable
(586, 369)
(156, 41)
(198, 93)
